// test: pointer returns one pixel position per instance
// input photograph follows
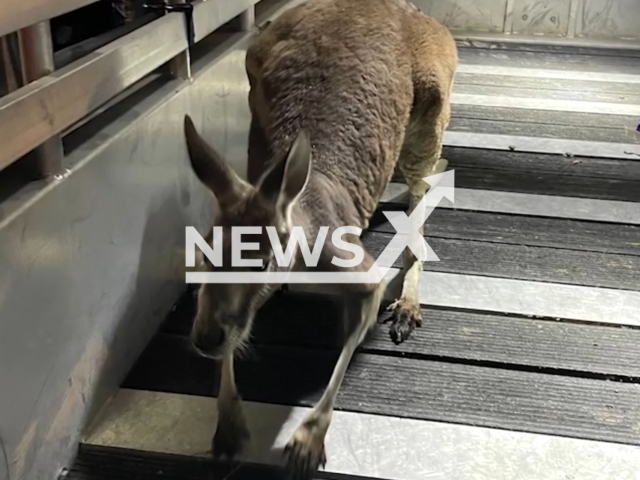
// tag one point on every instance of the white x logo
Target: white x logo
(408, 227)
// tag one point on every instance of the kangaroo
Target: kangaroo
(342, 94)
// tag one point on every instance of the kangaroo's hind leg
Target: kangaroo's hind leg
(419, 158)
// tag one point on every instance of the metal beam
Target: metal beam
(180, 65)
(209, 15)
(18, 14)
(44, 108)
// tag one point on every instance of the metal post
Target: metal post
(10, 64)
(36, 52)
(508, 17)
(248, 19)
(180, 65)
(573, 17)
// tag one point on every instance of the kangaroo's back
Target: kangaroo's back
(345, 71)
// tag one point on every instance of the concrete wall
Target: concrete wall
(607, 19)
(91, 263)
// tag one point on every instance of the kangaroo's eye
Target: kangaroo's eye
(261, 268)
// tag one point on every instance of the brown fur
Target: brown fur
(369, 81)
(359, 75)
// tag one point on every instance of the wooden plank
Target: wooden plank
(359, 446)
(555, 185)
(520, 262)
(497, 127)
(605, 77)
(314, 321)
(100, 463)
(528, 231)
(546, 89)
(535, 164)
(402, 387)
(547, 146)
(547, 117)
(546, 60)
(464, 79)
(531, 173)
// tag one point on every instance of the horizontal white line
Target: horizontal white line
(552, 74)
(522, 297)
(539, 299)
(549, 206)
(546, 104)
(529, 204)
(558, 146)
(370, 446)
(372, 276)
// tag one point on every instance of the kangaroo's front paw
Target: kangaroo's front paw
(305, 451)
(232, 435)
(405, 319)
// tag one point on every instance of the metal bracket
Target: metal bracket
(186, 8)
(264, 26)
(248, 19)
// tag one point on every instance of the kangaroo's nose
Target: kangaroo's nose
(210, 342)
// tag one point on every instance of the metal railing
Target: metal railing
(39, 111)
(18, 14)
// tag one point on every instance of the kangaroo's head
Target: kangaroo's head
(225, 311)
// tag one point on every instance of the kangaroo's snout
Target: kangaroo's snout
(209, 343)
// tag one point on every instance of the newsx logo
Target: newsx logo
(407, 236)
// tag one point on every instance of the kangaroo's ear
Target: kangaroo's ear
(211, 168)
(285, 181)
